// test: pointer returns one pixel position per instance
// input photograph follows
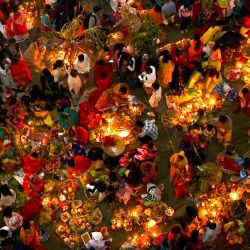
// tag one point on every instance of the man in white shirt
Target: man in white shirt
(75, 85)
(211, 232)
(155, 99)
(147, 78)
(82, 65)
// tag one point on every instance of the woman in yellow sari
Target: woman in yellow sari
(166, 68)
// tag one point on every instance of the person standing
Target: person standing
(75, 85)
(82, 65)
(185, 15)
(95, 18)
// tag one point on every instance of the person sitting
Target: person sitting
(195, 50)
(211, 231)
(7, 195)
(224, 127)
(173, 235)
(148, 128)
(13, 220)
(209, 133)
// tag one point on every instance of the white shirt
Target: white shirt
(210, 234)
(75, 84)
(82, 67)
(149, 79)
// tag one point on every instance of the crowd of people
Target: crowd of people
(66, 104)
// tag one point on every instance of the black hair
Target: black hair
(182, 242)
(245, 91)
(211, 225)
(26, 225)
(194, 236)
(201, 112)
(73, 72)
(123, 90)
(148, 69)
(95, 153)
(46, 72)
(166, 58)
(34, 154)
(57, 64)
(47, 7)
(223, 118)
(5, 191)
(139, 124)
(106, 48)
(157, 8)
(15, 8)
(156, 86)
(177, 52)
(210, 127)
(101, 186)
(81, 57)
(100, 62)
(195, 126)
(176, 229)
(3, 233)
(71, 162)
(191, 211)
(7, 212)
(112, 176)
(96, 9)
(12, 101)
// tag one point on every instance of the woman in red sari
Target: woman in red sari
(16, 25)
(20, 72)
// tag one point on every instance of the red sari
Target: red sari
(16, 26)
(196, 9)
(32, 165)
(20, 73)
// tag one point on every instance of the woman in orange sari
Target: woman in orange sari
(166, 68)
(195, 50)
(16, 25)
(29, 236)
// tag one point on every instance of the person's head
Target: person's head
(195, 126)
(139, 124)
(101, 186)
(245, 91)
(196, 37)
(47, 8)
(211, 225)
(4, 233)
(210, 127)
(26, 225)
(157, 8)
(223, 118)
(15, 8)
(71, 162)
(81, 58)
(230, 150)
(106, 48)
(148, 69)
(35, 154)
(58, 64)
(186, 6)
(201, 112)
(197, 42)
(5, 191)
(14, 59)
(95, 153)
(7, 212)
(191, 211)
(46, 72)
(123, 90)
(73, 73)
(97, 9)
(176, 229)
(156, 86)
(165, 58)
(12, 101)
(194, 236)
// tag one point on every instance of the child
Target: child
(155, 99)
(75, 84)
(209, 133)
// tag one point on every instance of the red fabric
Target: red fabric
(180, 60)
(193, 55)
(247, 107)
(105, 83)
(196, 9)
(13, 21)
(246, 21)
(228, 163)
(82, 164)
(99, 69)
(20, 73)
(32, 165)
(32, 186)
(81, 134)
(142, 68)
(31, 209)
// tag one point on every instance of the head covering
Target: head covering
(97, 236)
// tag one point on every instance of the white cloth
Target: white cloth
(6, 78)
(8, 200)
(149, 79)
(74, 84)
(210, 234)
(114, 4)
(58, 74)
(2, 29)
(82, 67)
(50, 1)
(155, 98)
